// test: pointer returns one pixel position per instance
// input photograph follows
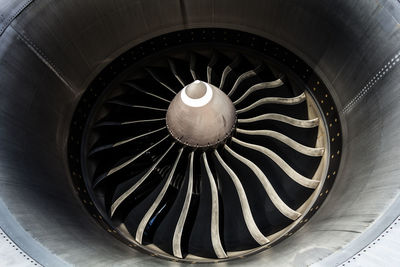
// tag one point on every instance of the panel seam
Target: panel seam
(389, 66)
(43, 57)
(10, 19)
(14, 246)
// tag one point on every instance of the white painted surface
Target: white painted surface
(383, 251)
(197, 102)
(11, 255)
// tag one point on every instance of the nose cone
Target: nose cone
(201, 115)
(196, 89)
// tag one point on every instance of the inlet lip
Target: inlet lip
(201, 115)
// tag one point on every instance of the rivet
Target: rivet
(333, 139)
(338, 134)
(326, 95)
(315, 89)
(322, 101)
(326, 192)
(334, 173)
(317, 82)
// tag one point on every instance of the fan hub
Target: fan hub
(201, 115)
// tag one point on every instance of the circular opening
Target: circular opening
(197, 89)
(240, 192)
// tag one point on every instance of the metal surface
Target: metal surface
(278, 202)
(50, 51)
(201, 119)
(247, 215)
(176, 228)
(215, 235)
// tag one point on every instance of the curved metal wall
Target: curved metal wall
(51, 50)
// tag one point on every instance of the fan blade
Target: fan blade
(259, 86)
(248, 217)
(228, 69)
(282, 118)
(276, 200)
(135, 86)
(126, 163)
(300, 179)
(275, 100)
(124, 104)
(159, 79)
(121, 198)
(149, 213)
(244, 76)
(180, 71)
(120, 123)
(176, 241)
(215, 236)
(310, 151)
(107, 146)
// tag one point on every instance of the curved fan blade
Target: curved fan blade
(107, 146)
(149, 213)
(300, 179)
(120, 199)
(248, 217)
(135, 86)
(126, 163)
(215, 236)
(274, 100)
(125, 104)
(181, 71)
(198, 66)
(286, 119)
(176, 241)
(205, 238)
(279, 204)
(228, 69)
(310, 151)
(120, 123)
(158, 77)
(244, 76)
(259, 86)
(215, 68)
